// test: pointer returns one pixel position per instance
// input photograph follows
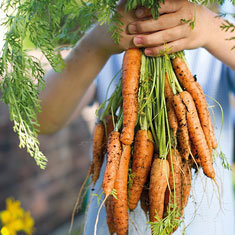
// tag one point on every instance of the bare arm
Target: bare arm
(64, 90)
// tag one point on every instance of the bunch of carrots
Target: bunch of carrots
(154, 128)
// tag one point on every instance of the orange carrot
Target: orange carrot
(144, 200)
(130, 84)
(186, 184)
(175, 190)
(120, 204)
(183, 136)
(170, 108)
(98, 156)
(142, 158)
(108, 121)
(158, 184)
(197, 136)
(113, 159)
(109, 214)
(211, 129)
(186, 79)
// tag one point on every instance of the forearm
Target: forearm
(64, 90)
(218, 43)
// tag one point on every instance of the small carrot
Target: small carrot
(113, 159)
(186, 79)
(120, 204)
(158, 183)
(175, 190)
(186, 184)
(109, 127)
(130, 84)
(144, 200)
(98, 156)
(109, 214)
(183, 136)
(142, 158)
(170, 108)
(212, 134)
(197, 135)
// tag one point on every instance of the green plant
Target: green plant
(48, 24)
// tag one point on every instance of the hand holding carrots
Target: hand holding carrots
(182, 25)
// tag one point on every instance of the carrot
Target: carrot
(170, 108)
(109, 127)
(186, 79)
(183, 136)
(197, 136)
(130, 84)
(158, 183)
(120, 204)
(186, 184)
(175, 190)
(211, 129)
(98, 156)
(142, 158)
(167, 89)
(194, 154)
(113, 159)
(109, 214)
(212, 135)
(144, 200)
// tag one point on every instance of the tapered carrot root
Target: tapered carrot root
(186, 184)
(98, 147)
(113, 159)
(109, 127)
(142, 158)
(186, 79)
(130, 84)
(158, 184)
(110, 214)
(170, 108)
(144, 200)
(197, 136)
(211, 129)
(120, 204)
(212, 135)
(175, 182)
(183, 136)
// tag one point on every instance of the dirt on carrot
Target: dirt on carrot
(130, 84)
(142, 159)
(120, 204)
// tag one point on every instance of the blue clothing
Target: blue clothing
(205, 213)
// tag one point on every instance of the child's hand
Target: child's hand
(181, 25)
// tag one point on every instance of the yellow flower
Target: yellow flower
(14, 208)
(8, 230)
(4, 231)
(28, 223)
(5, 217)
(15, 219)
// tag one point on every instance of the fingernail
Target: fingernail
(148, 52)
(138, 41)
(132, 28)
(139, 12)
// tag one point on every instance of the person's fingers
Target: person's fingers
(161, 37)
(151, 25)
(168, 6)
(171, 47)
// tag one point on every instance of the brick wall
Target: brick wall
(49, 194)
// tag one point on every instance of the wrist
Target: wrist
(214, 32)
(99, 39)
